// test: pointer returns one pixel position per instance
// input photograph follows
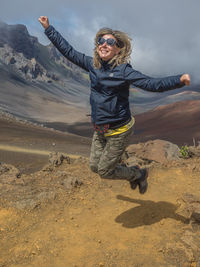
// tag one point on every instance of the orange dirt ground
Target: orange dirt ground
(99, 223)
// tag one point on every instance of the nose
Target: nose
(104, 44)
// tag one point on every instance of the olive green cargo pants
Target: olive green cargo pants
(106, 155)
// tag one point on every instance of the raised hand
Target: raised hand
(44, 21)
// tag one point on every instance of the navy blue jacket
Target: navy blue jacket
(110, 86)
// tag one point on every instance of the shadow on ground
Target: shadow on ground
(147, 212)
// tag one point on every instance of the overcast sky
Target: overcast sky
(165, 33)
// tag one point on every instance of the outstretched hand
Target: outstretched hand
(185, 78)
(44, 21)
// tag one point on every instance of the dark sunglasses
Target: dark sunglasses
(109, 41)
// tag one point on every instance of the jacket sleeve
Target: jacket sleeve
(145, 82)
(67, 50)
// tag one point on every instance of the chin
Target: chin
(105, 58)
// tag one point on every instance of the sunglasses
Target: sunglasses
(109, 41)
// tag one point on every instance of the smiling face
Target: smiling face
(105, 51)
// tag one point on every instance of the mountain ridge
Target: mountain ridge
(39, 78)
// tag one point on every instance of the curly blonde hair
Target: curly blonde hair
(123, 42)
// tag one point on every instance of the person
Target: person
(111, 75)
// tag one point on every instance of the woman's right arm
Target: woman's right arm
(64, 47)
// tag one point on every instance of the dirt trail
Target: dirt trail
(45, 222)
(30, 151)
(23, 150)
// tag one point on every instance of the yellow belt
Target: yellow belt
(120, 130)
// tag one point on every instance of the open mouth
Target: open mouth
(103, 51)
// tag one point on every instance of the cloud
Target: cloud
(165, 34)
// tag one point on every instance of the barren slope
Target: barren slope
(27, 146)
(178, 123)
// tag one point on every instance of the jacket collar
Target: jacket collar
(105, 65)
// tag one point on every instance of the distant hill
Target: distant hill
(177, 122)
(142, 101)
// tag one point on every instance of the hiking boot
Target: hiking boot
(133, 184)
(141, 182)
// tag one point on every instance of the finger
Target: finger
(40, 18)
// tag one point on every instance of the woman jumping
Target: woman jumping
(111, 76)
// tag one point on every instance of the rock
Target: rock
(3, 168)
(191, 240)
(157, 150)
(32, 203)
(8, 174)
(190, 198)
(196, 213)
(71, 182)
(194, 151)
(57, 158)
(26, 204)
(190, 208)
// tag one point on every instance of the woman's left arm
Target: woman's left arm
(145, 82)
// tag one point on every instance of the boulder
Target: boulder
(56, 159)
(8, 174)
(160, 151)
(190, 207)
